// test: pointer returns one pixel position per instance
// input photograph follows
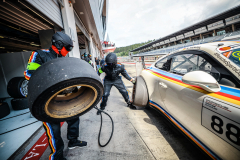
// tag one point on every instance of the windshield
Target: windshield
(234, 56)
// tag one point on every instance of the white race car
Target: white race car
(198, 89)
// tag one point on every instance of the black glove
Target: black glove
(130, 105)
(133, 81)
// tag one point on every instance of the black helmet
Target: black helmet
(61, 40)
(111, 60)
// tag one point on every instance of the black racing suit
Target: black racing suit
(112, 78)
(102, 62)
(88, 60)
(53, 131)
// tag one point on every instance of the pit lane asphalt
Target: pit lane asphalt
(139, 134)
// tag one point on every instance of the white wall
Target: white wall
(82, 51)
(70, 27)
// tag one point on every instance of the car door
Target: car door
(188, 106)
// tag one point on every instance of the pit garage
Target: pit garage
(25, 26)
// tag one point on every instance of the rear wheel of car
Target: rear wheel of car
(140, 93)
(17, 87)
(19, 103)
(4, 109)
(66, 88)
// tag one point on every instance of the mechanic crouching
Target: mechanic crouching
(112, 78)
(61, 46)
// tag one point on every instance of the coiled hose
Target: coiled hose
(99, 134)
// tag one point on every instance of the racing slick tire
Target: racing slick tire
(19, 103)
(140, 93)
(52, 90)
(17, 87)
(5, 110)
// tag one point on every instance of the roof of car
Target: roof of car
(215, 49)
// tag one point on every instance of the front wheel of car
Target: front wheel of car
(140, 93)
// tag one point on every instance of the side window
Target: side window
(182, 64)
(163, 64)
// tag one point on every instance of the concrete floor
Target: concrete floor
(138, 134)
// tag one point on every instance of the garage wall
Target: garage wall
(94, 51)
(2, 82)
(11, 65)
(82, 51)
(81, 26)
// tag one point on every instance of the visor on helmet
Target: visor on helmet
(69, 47)
(61, 40)
(111, 65)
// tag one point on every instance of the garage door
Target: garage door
(49, 8)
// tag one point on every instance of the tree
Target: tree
(123, 51)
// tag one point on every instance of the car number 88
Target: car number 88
(224, 126)
(232, 133)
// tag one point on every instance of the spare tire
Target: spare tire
(17, 87)
(4, 109)
(52, 90)
(19, 103)
(140, 93)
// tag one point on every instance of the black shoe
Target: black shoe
(98, 112)
(131, 106)
(76, 143)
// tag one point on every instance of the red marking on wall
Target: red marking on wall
(37, 150)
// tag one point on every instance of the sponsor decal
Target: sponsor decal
(228, 64)
(230, 47)
(195, 47)
(235, 45)
(227, 54)
(236, 55)
(222, 119)
(192, 47)
(215, 105)
(224, 48)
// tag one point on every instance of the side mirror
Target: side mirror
(203, 80)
